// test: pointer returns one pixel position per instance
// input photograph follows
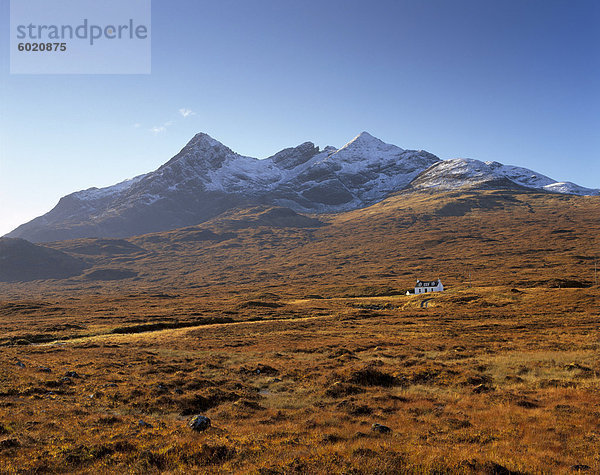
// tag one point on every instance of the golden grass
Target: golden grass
(297, 341)
(538, 411)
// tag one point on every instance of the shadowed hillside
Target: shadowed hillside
(519, 239)
(21, 260)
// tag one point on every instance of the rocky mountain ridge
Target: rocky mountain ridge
(206, 178)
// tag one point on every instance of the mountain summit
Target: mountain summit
(206, 178)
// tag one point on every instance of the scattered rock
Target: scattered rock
(178, 391)
(20, 364)
(381, 428)
(144, 424)
(72, 374)
(44, 369)
(199, 423)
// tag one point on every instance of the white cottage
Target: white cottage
(430, 286)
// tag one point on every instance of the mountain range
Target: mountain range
(206, 178)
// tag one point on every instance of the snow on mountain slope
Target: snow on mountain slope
(376, 168)
(455, 174)
(98, 193)
(207, 178)
(468, 173)
(521, 176)
(566, 187)
(360, 173)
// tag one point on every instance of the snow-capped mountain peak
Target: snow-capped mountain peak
(468, 173)
(204, 138)
(207, 178)
(292, 157)
(203, 149)
(366, 143)
(364, 137)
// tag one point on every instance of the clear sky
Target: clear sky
(516, 81)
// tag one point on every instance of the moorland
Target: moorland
(295, 336)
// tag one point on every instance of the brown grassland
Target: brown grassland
(294, 341)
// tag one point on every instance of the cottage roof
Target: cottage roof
(429, 283)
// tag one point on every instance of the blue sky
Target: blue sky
(516, 81)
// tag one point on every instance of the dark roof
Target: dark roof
(431, 283)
